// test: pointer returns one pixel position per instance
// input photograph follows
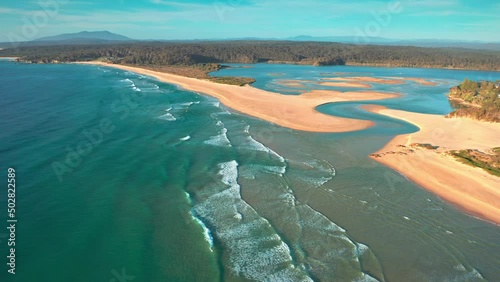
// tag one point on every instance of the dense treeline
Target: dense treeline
(479, 100)
(314, 53)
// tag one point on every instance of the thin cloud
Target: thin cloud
(430, 3)
(436, 13)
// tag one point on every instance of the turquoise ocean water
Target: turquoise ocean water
(118, 173)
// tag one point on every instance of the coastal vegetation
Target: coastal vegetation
(155, 54)
(201, 71)
(488, 162)
(424, 146)
(478, 100)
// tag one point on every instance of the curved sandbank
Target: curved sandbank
(295, 112)
(471, 188)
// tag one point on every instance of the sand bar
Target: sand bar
(295, 112)
(366, 79)
(291, 83)
(378, 80)
(346, 84)
(472, 189)
(418, 80)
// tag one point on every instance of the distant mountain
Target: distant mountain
(86, 36)
(106, 37)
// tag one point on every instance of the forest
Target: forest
(478, 100)
(155, 54)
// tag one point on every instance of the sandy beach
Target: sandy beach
(470, 188)
(295, 112)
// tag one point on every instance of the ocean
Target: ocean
(122, 177)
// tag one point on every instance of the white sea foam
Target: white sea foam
(324, 167)
(131, 84)
(252, 247)
(103, 70)
(253, 250)
(366, 278)
(221, 139)
(229, 172)
(190, 103)
(252, 144)
(322, 242)
(168, 117)
(206, 232)
(260, 147)
(472, 275)
(188, 197)
(361, 249)
(280, 170)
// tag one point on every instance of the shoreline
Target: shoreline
(295, 112)
(470, 188)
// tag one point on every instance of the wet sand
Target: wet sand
(470, 188)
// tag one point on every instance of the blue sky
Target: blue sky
(197, 19)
